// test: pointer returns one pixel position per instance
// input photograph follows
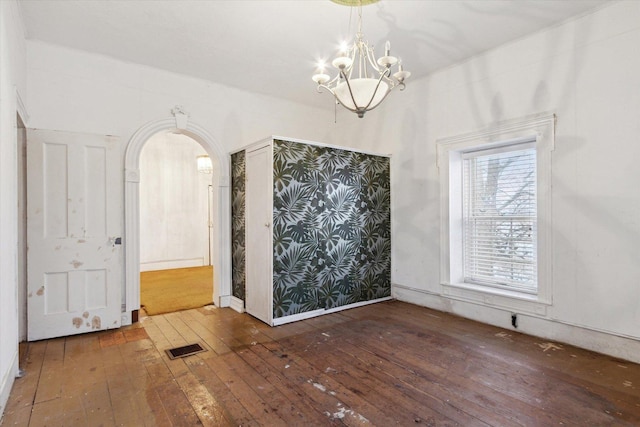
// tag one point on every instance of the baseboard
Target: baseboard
(225, 301)
(171, 264)
(7, 383)
(580, 336)
(237, 304)
(309, 314)
(296, 317)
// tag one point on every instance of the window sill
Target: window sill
(514, 301)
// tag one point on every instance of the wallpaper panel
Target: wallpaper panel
(331, 228)
(238, 162)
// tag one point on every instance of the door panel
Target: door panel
(259, 254)
(74, 207)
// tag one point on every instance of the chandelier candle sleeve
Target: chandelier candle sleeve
(363, 81)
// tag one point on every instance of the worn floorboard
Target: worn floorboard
(384, 364)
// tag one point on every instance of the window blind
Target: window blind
(499, 218)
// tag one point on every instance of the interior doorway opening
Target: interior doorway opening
(221, 218)
(176, 204)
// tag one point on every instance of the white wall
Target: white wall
(174, 230)
(80, 92)
(12, 81)
(587, 71)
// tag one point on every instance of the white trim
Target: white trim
(516, 302)
(172, 264)
(315, 313)
(505, 131)
(21, 108)
(256, 145)
(237, 304)
(539, 127)
(600, 340)
(222, 239)
(295, 317)
(7, 382)
(357, 304)
(225, 300)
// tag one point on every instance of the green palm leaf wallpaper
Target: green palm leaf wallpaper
(331, 227)
(238, 163)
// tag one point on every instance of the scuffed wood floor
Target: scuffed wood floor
(384, 364)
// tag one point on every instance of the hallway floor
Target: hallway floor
(384, 364)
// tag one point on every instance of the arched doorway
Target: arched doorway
(221, 240)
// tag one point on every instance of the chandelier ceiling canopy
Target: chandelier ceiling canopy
(363, 81)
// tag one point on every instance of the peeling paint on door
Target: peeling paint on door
(77, 322)
(96, 322)
(76, 263)
(40, 291)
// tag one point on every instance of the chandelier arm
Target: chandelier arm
(333, 81)
(371, 58)
(350, 91)
(321, 86)
(379, 103)
(386, 76)
(373, 95)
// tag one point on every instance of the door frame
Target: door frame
(22, 121)
(222, 220)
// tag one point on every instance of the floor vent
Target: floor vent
(185, 351)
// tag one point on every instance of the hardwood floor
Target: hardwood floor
(384, 364)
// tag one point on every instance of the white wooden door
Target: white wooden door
(74, 209)
(259, 240)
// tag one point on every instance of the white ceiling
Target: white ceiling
(271, 46)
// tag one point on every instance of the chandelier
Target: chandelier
(204, 164)
(362, 82)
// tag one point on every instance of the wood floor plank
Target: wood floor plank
(234, 411)
(348, 406)
(252, 402)
(49, 386)
(458, 401)
(289, 411)
(385, 364)
(205, 406)
(276, 379)
(197, 324)
(172, 336)
(435, 381)
(424, 392)
(358, 377)
(176, 405)
(492, 365)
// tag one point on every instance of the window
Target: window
(496, 214)
(499, 218)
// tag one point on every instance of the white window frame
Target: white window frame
(539, 130)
